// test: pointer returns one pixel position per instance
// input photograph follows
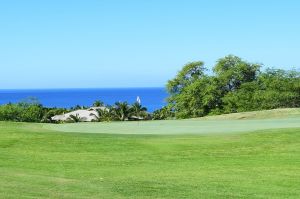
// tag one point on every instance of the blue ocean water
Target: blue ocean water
(152, 98)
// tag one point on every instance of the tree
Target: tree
(187, 75)
(50, 112)
(32, 113)
(104, 114)
(10, 112)
(74, 118)
(98, 103)
(235, 86)
(232, 72)
(184, 93)
(244, 99)
(77, 107)
(138, 110)
(163, 113)
(122, 110)
(280, 88)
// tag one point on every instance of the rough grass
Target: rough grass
(36, 162)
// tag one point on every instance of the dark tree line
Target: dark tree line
(122, 111)
(31, 110)
(234, 86)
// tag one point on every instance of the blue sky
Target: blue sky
(110, 43)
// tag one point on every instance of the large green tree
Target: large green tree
(138, 110)
(184, 92)
(187, 75)
(232, 72)
(28, 110)
(235, 86)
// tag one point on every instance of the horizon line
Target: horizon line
(75, 88)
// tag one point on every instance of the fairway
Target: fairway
(198, 158)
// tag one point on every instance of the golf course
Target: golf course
(242, 155)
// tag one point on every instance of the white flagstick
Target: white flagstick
(138, 100)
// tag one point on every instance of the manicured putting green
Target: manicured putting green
(178, 126)
(231, 123)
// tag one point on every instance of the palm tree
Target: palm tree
(98, 103)
(138, 110)
(77, 107)
(103, 115)
(75, 118)
(163, 113)
(122, 110)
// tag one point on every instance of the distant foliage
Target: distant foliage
(30, 110)
(74, 118)
(122, 111)
(235, 86)
(163, 113)
(98, 103)
(77, 107)
(25, 111)
(50, 112)
(104, 115)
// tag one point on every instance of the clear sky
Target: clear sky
(110, 43)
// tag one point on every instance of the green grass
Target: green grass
(42, 161)
(267, 114)
(230, 123)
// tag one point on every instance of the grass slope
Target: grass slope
(266, 114)
(38, 162)
(230, 123)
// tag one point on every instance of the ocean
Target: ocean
(152, 98)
